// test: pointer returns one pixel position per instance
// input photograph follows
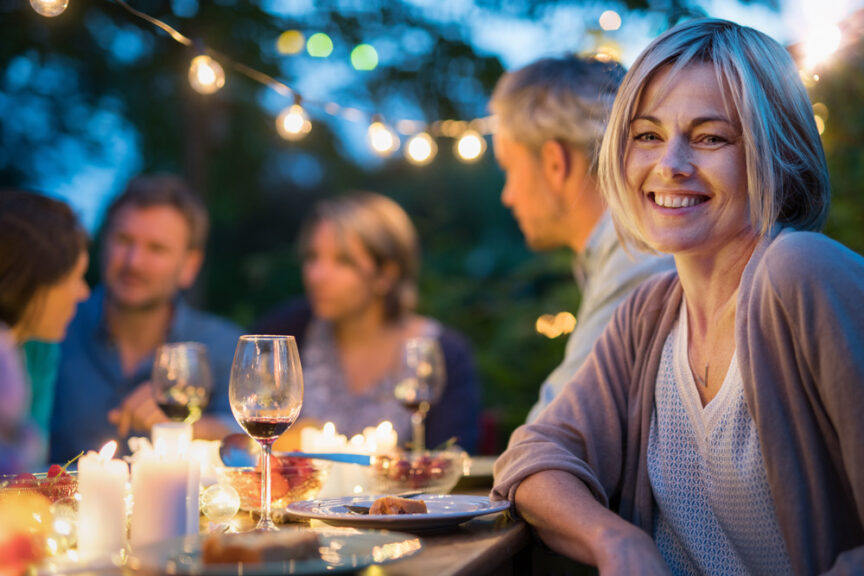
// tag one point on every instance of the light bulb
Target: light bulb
(421, 149)
(470, 146)
(293, 123)
(206, 75)
(382, 139)
(49, 8)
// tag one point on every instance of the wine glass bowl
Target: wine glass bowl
(181, 380)
(421, 381)
(266, 395)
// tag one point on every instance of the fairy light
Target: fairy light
(421, 149)
(382, 139)
(610, 20)
(49, 8)
(470, 146)
(293, 123)
(206, 75)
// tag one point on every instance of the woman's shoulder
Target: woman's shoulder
(797, 256)
(451, 339)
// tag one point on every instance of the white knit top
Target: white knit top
(714, 512)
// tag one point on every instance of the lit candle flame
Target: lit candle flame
(107, 451)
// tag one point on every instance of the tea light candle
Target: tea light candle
(102, 510)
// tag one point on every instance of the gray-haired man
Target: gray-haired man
(551, 118)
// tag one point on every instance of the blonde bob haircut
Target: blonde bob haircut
(385, 231)
(565, 99)
(787, 177)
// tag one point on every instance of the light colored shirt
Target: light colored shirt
(715, 514)
(606, 275)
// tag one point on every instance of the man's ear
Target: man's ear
(190, 268)
(555, 159)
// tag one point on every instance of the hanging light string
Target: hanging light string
(207, 76)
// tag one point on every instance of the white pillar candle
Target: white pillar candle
(172, 439)
(102, 510)
(160, 492)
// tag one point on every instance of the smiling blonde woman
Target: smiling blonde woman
(716, 426)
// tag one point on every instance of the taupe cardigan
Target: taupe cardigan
(799, 332)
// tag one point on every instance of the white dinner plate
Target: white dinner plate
(342, 551)
(445, 510)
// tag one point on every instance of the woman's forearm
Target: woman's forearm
(569, 520)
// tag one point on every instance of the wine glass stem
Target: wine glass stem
(418, 428)
(266, 523)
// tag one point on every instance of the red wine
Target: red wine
(264, 429)
(175, 412)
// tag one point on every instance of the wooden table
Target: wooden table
(493, 544)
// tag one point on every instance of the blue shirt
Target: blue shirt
(90, 379)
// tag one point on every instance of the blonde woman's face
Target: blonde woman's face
(685, 161)
(340, 278)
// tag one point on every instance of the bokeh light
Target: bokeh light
(820, 123)
(820, 44)
(290, 42)
(555, 325)
(470, 146)
(364, 57)
(293, 123)
(383, 140)
(319, 45)
(206, 75)
(610, 20)
(421, 149)
(49, 8)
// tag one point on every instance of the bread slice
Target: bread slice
(259, 548)
(396, 505)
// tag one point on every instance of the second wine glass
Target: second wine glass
(181, 380)
(266, 393)
(421, 381)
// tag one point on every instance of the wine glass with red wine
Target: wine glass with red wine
(181, 380)
(266, 394)
(420, 383)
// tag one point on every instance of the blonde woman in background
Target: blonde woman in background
(360, 267)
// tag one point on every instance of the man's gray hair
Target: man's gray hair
(565, 99)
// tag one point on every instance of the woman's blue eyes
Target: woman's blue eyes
(707, 139)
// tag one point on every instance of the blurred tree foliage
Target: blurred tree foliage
(841, 90)
(96, 71)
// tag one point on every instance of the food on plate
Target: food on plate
(260, 548)
(396, 505)
(291, 479)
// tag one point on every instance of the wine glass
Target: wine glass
(181, 380)
(421, 380)
(266, 394)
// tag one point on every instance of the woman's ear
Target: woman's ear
(388, 275)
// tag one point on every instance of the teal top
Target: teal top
(41, 361)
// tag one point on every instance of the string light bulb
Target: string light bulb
(293, 123)
(421, 149)
(206, 75)
(382, 139)
(470, 146)
(49, 8)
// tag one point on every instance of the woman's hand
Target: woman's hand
(569, 520)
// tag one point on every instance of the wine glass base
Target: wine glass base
(266, 525)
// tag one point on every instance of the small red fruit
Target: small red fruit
(55, 470)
